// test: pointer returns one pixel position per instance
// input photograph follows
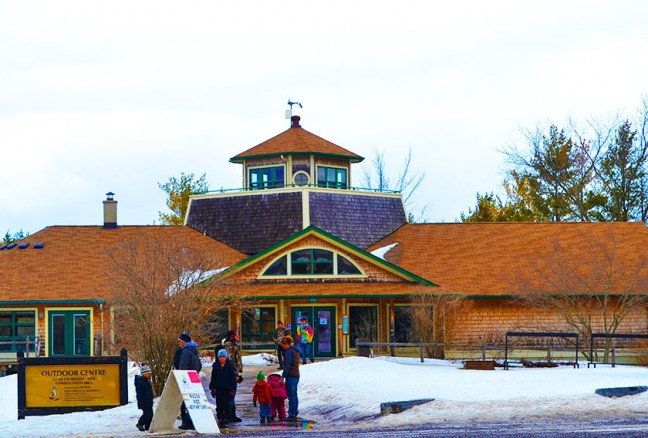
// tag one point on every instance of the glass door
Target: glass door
(69, 333)
(324, 322)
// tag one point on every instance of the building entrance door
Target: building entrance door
(323, 320)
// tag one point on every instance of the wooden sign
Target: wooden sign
(49, 385)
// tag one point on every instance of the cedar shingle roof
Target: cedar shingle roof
(492, 258)
(73, 263)
(296, 141)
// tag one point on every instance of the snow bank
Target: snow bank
(353, 388)
(343, 391)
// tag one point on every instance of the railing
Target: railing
(15, 344)
(288, 186)
(245, 346)
(613, 348)
(541, 335)
(365, 348)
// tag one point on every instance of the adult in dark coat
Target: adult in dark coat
(233, 348)
(222, 385)
(187, 358)
(278, 335)
(291, 376)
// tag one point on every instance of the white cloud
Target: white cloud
(151, 89)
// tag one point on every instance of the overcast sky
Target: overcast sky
(118, 96)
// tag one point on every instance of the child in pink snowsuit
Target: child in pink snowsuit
(278, 405)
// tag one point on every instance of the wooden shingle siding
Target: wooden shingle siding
(360, 220)
(250, 223)
(487, 321)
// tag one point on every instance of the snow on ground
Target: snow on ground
(360, 384)
(260, 359)
(342, 391)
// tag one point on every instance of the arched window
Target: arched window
(316, 262)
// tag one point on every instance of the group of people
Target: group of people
(269, 394)
(186, 357)
(304, 340)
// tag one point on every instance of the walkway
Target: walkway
(244, 407)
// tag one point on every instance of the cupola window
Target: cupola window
(266, 177)
(332, 177)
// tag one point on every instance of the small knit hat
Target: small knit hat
(222, 353)
(260, 376)
(185, 337)
(144, 369)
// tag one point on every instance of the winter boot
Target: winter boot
(263, 420)
(186, 426)
(270, 419)
(140, 427)
(234, 418)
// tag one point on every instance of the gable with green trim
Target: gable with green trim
(313, 253)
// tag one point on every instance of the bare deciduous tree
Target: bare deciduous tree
(163, 288)
(407, 182)
(434, 318)
(592, 289)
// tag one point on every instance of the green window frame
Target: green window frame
(17, 325)
(258, 325)
(266, 177)
(332, 177)
(70, 333)
(311, 262)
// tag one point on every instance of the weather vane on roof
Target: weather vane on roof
(289, 111)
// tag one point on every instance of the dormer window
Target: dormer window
(332, 177)
(311, 262)
(266, 177)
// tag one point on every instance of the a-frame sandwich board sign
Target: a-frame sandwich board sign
(184, 386)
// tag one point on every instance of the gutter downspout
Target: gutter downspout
(101, 343)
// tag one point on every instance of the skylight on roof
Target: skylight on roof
(23, 245)
(11, 245)
(39, 245)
